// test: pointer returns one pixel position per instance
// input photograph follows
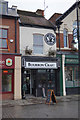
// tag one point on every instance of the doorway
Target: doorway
(42, 79)
(28, 83)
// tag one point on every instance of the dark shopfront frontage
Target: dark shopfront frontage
(69, 75)
(39, 73)
(72, 80)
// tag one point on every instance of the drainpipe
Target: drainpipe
(15, 35)
(59, 36)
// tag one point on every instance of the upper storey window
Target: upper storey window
(37, 44)
(65, 36)
(3, 38)
(3, 8)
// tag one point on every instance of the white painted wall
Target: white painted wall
(68, 22)
(63, 69)
(26, 38)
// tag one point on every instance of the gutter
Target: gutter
(15, 35)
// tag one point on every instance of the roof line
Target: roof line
(33, 25)
(59, 19)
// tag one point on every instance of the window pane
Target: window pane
(6, 83)
(38, 44)
(65, 37)
(4, 33)
(38, 39)
(65, 42)
(37, 49)
(4, 43)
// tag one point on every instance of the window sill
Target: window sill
(4, 49)
(64, 48)
(38, 54)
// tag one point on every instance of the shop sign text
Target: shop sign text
(35, 65)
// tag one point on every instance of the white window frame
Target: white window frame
(35, 45)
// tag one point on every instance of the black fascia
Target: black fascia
(9, 16)
(39, 59)
(10, 54)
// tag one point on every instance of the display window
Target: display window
(7, 81)
(71, 76)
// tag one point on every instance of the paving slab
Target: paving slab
(38, 100)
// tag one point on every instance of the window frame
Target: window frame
(4, 38)
(73, 81)
(66, 36)
(37, 45)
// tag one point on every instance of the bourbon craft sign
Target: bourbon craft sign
(46, 65)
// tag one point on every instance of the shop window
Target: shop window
(71, 76)
(37, 44)
(3, 38)
(7, 77)
(65, 36)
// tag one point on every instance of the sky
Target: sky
(52, 6)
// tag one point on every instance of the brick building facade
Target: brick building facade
(10, 58)
(66, 35)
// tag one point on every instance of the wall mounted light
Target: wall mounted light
(11, 40)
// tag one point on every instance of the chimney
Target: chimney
(14, 7)
(40, 12)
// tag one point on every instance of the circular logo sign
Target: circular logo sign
(50, 39)
(8, 62)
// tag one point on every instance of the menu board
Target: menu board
(50, 97)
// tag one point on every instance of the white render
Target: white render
(68, 22)
(63, 68)
(26, 39)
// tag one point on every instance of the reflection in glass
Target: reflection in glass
(6, 83)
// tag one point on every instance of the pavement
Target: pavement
(30, 100)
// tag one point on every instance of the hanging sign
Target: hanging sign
(8, 62)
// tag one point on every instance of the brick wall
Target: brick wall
(70, 38)
(7, 96)
(9, 23)
(11, 34)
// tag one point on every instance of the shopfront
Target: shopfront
(40, 74)
(71, 74)
(8, 76)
